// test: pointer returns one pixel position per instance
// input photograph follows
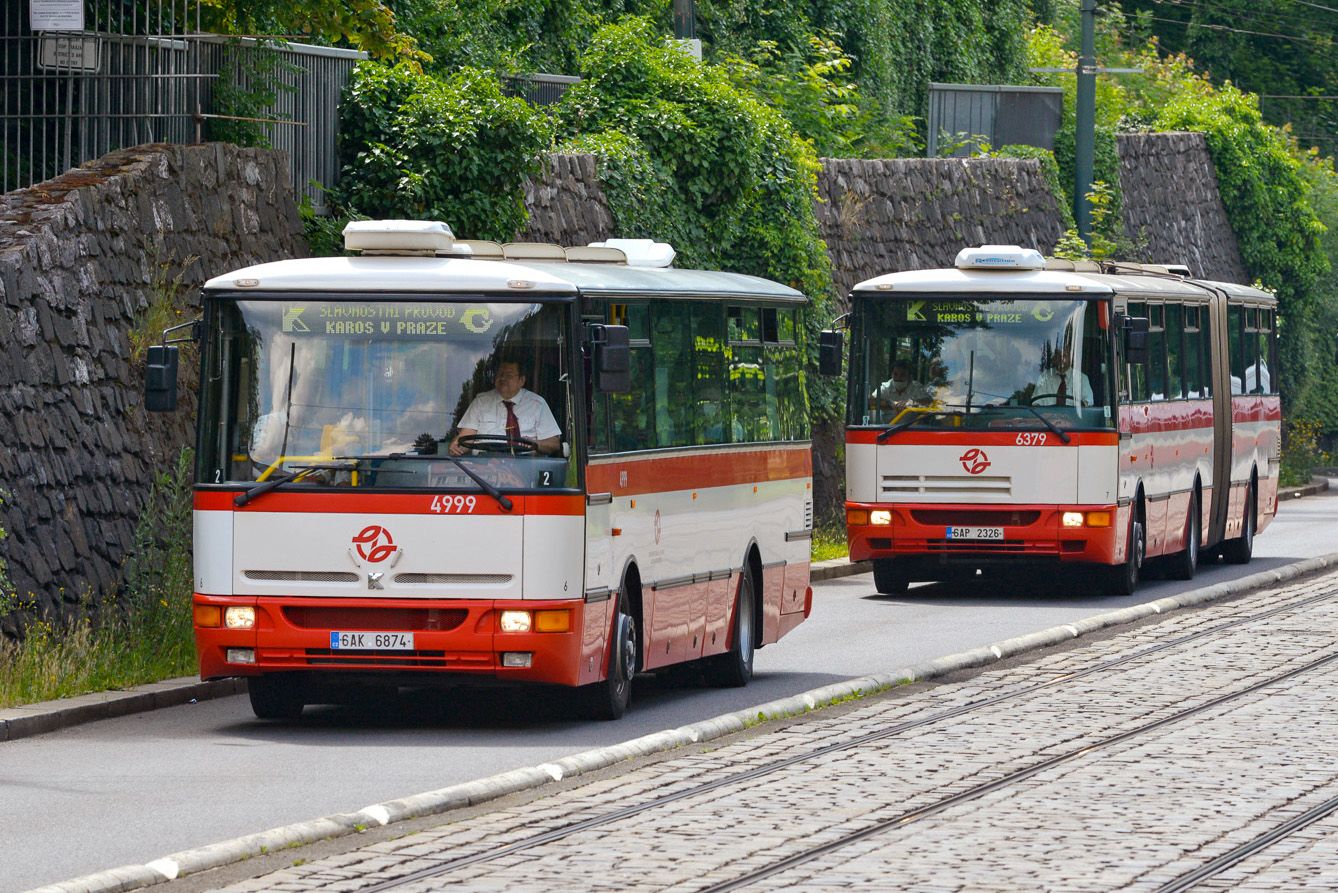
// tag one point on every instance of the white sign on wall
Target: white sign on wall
(56, 15)
(68, 53)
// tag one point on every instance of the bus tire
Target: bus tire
(1241, 549)
(1122, 579)
(608, 698)
(1185, 563)
(890, 576)
(276, 696)
(734, 668)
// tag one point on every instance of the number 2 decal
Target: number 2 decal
(453, 504)
(1031, 438)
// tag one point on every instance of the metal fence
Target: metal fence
(961, 116)
(141, 71)
(539, 89)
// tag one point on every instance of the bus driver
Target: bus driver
(508, 410)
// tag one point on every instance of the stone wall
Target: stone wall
(567, 205)
(913, 213)
(79, 259)
(1173, 211)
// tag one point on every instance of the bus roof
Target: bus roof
(1134, 285)
(393, 274)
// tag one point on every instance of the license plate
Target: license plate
(975, 533)
(371, 641)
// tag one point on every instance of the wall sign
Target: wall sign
(56, 15)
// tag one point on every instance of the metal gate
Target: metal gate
(141, 71)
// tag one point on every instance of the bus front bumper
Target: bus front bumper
(950, 534)
(440, 638)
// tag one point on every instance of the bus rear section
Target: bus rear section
(1002, 415)
(394, 479)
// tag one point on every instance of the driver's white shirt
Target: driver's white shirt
(487, 415)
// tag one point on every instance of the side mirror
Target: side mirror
(1136, 340)
(160, 379)
(612, 358)
(829, 352)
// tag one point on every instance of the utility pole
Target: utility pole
(685, 19)
(1084, 137)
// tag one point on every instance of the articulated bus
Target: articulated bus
(1010, 412)
(357, 523)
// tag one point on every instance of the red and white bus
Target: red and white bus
(339, 539)
(1010, 411)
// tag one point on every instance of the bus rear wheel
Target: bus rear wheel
(1185, 563)
(1123, 578)
(276, 696)
(890, 577)
(1241, 549)
(734, 668)
(608, 698)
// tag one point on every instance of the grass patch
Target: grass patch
(829, 543)
(143, 635)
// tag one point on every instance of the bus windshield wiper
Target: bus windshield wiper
(1063, 435)
(286, 477)
(901, 424)
(486, 487)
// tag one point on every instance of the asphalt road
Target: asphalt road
(139, 787)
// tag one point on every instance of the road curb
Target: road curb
(838, 567)
(133, 877)
(47, 716)
(1316, 486)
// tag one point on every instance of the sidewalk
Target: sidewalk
(1063, 806)
(691, 836)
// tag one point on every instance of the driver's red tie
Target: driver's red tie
(1063, 392)
(512, 423)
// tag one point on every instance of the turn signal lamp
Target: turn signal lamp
(209, 616)
(1098, 519)
(857, 517)
(239, 617)
(552, 621)
(880, 517)
(516, 621)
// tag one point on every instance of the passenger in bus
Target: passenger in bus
(509, 410)
(1055, 385)
(900, 390)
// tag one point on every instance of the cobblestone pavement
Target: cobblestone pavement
(1131, 815)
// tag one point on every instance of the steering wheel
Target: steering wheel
(499, 443)
(1060, 400)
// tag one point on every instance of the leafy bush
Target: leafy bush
(453, 149)
(690, 154)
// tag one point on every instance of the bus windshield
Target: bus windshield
(368, 392)
(982, 363)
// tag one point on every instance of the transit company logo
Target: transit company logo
(374, 543)
(974, 460)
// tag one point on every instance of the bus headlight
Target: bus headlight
(1071, 519)
(239, 617)
(515, 621)
(880, 517)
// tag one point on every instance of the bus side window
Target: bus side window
(1267, 379)
(1157, 352)
(709, 384)
(1175, 387)
(1136, 388)
(1235, 337)
(1197, 385)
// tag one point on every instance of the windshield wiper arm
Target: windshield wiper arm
(279, 480)
(900, 425)
(486, 487)
(1063, 435)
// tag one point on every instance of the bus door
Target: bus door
(1220, 347)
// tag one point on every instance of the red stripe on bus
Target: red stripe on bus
(392, 503)
(632, 476)
(980, 438)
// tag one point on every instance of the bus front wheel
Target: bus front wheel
(1122, 579)
(890, 576)
(276, 696)
(608, 698)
